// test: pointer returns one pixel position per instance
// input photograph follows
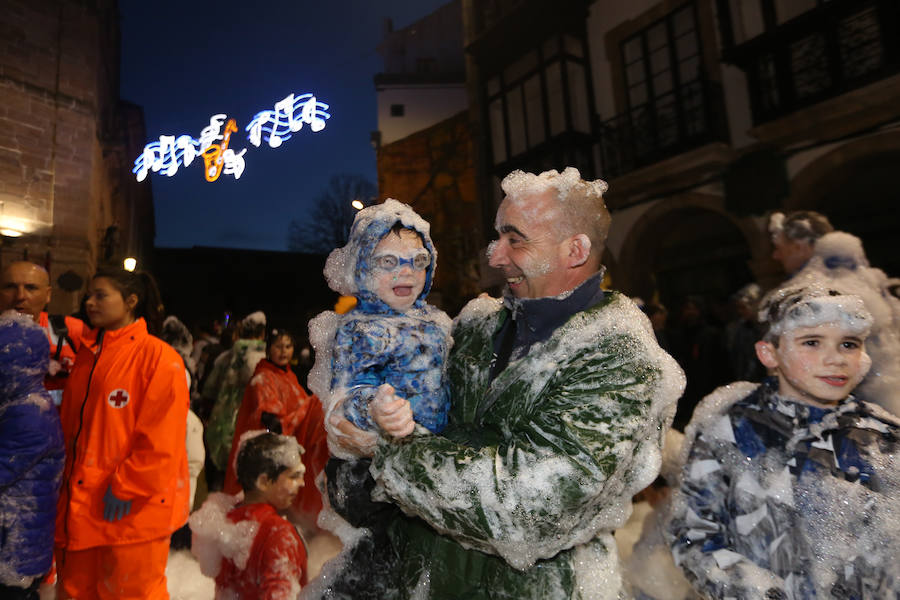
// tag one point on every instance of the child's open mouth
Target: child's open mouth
(403, 290)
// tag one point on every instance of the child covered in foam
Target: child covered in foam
(242, 541)
(392, 341)
(789, 487)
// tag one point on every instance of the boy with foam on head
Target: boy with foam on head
(392, 341)
(789, 488)
(242, 541)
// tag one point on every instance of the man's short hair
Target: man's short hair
(580, 202)
(801, 225)
(785, 309)
(253, 325)
(265, 453)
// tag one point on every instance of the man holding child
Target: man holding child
(560, 397)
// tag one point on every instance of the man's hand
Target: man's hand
(346, 435)
(392, 413)
(114, 508)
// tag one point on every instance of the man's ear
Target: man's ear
(578, 248)
(263, 482)
(765, 352)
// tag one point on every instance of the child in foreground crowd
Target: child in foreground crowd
(252, 552)
(790, 487)
(32, 454)
(393, 341)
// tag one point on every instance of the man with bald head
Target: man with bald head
(560, 398)
(25, 288)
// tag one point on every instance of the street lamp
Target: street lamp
(357, 204)
(129, 263)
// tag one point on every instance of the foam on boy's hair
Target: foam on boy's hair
(262, 452)
(788, 308)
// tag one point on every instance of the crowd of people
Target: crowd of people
(489, 457)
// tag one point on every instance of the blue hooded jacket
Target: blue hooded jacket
(32, 453)
(375, 344)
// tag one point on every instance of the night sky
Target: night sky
(186, 63)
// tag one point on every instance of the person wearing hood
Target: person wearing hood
(231, 374)
(392, 341)
(32, 455)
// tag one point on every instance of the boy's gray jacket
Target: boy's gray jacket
(538, 467)
(781, 499)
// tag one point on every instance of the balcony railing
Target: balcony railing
(832, 49)
(683, 119)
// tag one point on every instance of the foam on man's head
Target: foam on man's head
(264, 453)
(783, 310)
(581, 205)
(806, 225)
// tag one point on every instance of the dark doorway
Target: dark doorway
(694, 251)
(862, 199)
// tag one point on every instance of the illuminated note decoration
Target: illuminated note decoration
(289, 116)
(274, 127)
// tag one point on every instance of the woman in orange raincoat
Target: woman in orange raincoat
(124, 413)
(275, 400)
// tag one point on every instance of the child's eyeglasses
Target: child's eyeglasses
(392, 262)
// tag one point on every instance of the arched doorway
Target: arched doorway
(857, 186)
(686, 247)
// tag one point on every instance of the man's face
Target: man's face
(281, 492)
(792, 254)
(25, 288)
(399, 265)
(819, 365)
(529, 251)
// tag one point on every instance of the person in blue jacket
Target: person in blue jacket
(391, 342)
(789, 488)
(31, 458)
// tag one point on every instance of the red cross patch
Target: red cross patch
(118, 398)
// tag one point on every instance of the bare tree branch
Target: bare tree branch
(327, 226)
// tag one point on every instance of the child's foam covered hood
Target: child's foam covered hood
(24, 355)
(347, 268)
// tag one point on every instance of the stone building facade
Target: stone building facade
(67, 197)
(704, 116)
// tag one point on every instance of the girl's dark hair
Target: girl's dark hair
(277, 334)
(256, 457)
(140, 283)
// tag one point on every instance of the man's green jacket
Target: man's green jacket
(518, 498)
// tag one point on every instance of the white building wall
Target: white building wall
(424, 105)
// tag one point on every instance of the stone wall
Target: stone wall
(61, 176)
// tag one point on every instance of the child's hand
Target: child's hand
(393, 414)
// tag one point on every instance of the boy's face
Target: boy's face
(819, 365)
(398, 287)
(281, 492)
